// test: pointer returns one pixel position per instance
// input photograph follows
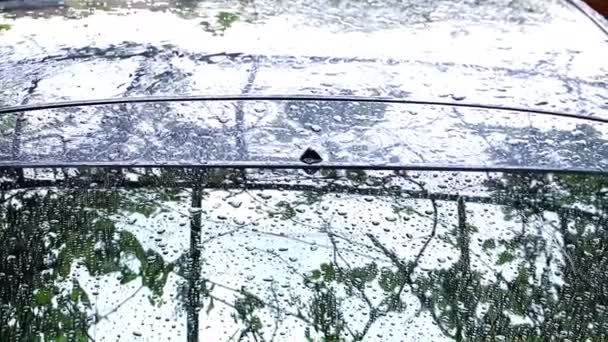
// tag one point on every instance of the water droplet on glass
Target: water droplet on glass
(223, 119)
(315, 128)
(236, 204)
(194, 210)
(265, 196)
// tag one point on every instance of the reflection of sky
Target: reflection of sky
(555, 55)
(244, 246)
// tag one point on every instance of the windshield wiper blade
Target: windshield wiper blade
(310, 98)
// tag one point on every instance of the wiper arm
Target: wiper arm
(310, 98)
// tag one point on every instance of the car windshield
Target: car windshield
(303, 171)
(258, 255)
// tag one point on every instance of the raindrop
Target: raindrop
(194, 210)
(259, 108)
(223, 120)
(236, 204)
(315, 128)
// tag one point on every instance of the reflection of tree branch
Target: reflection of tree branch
(406, 271)
(277, 317)
(194, 273)
(70, 308)
(97, 318)
(329, 187)
(431, 236)
(554, 206)
(297, 315)
(391, 255)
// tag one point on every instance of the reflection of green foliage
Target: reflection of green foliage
(141, 208)
(407, 209)
(488, 244)
(312, 197)
(357, 176)
(54, 234)
(83, 7)
(326, 314)
(521, 299)
(390, 280)
(329, 173)
(7, 122)
(327, 282)
(216, 177)
(189, 4)
(571, 208)
(102, 252)
(287, 212)
(226, 19)
(246, 307)
(5, 27)
(505, 257)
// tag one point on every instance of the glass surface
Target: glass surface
(278, 132)
(243, 254)
(527, 53)
(257, 255)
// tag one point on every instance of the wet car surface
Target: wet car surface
(477, 210)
